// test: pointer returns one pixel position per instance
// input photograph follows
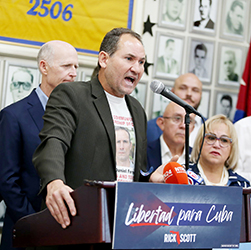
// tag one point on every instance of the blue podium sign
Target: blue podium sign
(169, 216)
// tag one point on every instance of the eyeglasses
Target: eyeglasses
(224, 141)
(26, 85)
(178, 119)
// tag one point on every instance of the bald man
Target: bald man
(189, 88)
(172, 141)
(20, 124)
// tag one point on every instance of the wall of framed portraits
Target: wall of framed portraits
(208, 38)
(214, 49)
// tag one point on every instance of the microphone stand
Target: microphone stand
(187, 122)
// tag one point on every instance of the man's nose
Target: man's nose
(137, 68)
(73, 72)
(20, 89)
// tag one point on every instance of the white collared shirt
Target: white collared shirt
(166, 154)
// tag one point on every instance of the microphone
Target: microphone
(174, 173)
(159, 88)
(194, 179)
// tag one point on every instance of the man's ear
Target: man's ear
(160, 122)
(103, 59)
(43, 67)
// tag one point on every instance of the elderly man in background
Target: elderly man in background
(172, 141)
(20, 124)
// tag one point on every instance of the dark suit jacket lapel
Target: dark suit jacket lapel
(104, 111)
(35, 109)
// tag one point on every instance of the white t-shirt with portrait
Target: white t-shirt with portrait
(124, 132)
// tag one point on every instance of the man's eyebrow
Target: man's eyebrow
(143, 58)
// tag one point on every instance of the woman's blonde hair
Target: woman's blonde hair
(232, 161)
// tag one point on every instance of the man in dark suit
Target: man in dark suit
(20, 124)
(204, 9)
(80, 119)
(172, 141)
(166, 63)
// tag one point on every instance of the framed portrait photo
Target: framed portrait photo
(140, 93)
(85, 74)
(225, 103)
(159, 103)
(2, 214)
(205, 103)
(231, 62)
(204, 16)
(19, 81)
(235, 19)
(200, 60)
(173, 14)
(168, 56)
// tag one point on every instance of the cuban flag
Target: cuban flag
(243, 106)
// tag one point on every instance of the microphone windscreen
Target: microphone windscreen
(157, 86)
(194, 179)
(174, 173)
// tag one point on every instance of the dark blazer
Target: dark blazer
(20, 124)
(154, 154)
(153, 130)
(78, 137)
(210, 24)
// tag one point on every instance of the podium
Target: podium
(92, 224)
(94, 221)
(246, 216)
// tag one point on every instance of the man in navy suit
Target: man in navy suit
(20, 124)
(172, 141)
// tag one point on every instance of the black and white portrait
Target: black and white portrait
(172, 13)
(230, 68)
(225, 104)
(204, 103)
(168, 56)
(201, 59)
(19, 82)
(159, 104)
(140, 93)
(233, 19)
(205, 13)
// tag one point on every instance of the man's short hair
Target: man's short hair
(125, 129)
(111, 39)
(228, 98)
(210, 2)
(200, 46)
(25, 70)
(169, 41)
(235, 4)
(46, 53)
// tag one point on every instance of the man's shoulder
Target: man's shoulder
(210, 24)
(154, 144)
(196, 23)
(21, 104)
